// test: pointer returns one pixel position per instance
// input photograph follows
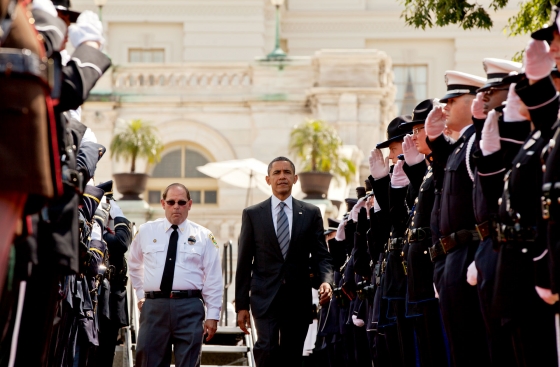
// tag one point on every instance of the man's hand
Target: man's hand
(537, 60)
(140, 304)
(210, 327)
(243, 320)
(325, 293)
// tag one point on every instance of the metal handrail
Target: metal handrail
(227, 273)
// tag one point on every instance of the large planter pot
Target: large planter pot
(131, 185)
(315, 184)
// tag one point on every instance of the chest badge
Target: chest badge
(191, 240)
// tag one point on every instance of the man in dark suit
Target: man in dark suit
(277, 238)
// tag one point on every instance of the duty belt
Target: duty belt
(419, 234)
(448, 243)
(175, 294)
(516, 233)
(395, 244)
(23, 61)
(483, 229)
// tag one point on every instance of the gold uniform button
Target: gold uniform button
(155, 240)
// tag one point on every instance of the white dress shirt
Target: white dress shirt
(288, 209)
(197, 265)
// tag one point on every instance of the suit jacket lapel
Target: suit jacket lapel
(297, 219)
(268, 226)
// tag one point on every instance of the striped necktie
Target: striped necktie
(283, 229)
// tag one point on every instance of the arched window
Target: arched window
(178, 164)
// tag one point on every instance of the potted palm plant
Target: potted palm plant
(317, 145)
(136, 139)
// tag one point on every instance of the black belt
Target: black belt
(419, 234)
(448, 243)
(395, 244)
(195, 293)
(23, 61)
(483, 229)
(516, 234)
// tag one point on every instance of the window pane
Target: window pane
(210, 197)
(169, 166)
(146, 55)
(411, 83)
(192, 160)
(154, 196)
(195, 196)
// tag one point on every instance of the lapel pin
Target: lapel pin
(192, 240)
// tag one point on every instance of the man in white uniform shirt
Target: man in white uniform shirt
(175, 269)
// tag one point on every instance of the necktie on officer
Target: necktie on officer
(169, 269)
(283, 229)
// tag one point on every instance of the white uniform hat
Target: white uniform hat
(459, 83)
(497, 70)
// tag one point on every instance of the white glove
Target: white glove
(399, 178)
(340, 234)
(514, 105)
(46, 6)
(356, 209)
(411, 154)
(89, 136)
(378, 167)
(537, 60)
(115, 210)
(546, 295)
(376, 206)
(358, 322)
(435, 123)
(472, 274)
(490, 142)
(96, 232)
(88, 27)
(477, 107)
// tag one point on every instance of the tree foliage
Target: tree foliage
(317, 145)
(533, 14)
(137, 139)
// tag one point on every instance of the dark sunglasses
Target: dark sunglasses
(492, 90)
(172, 202)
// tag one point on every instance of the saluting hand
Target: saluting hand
(378, 166)
(515, 108)
(490, 142)
(537, 60)
(477, 107)
(411, 154)
(435, 123)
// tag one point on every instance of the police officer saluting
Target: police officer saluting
(175, 269)
(459, 239)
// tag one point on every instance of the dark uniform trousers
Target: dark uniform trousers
(281, 332)
(458, 300)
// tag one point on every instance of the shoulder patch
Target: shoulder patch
(213, 239)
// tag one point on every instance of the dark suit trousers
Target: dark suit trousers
(281, 332)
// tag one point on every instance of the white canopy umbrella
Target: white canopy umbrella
(245, 173)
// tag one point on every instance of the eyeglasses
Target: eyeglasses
(172, 202)
(416, 130)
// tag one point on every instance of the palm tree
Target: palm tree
(317, 145)
(138, 139)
